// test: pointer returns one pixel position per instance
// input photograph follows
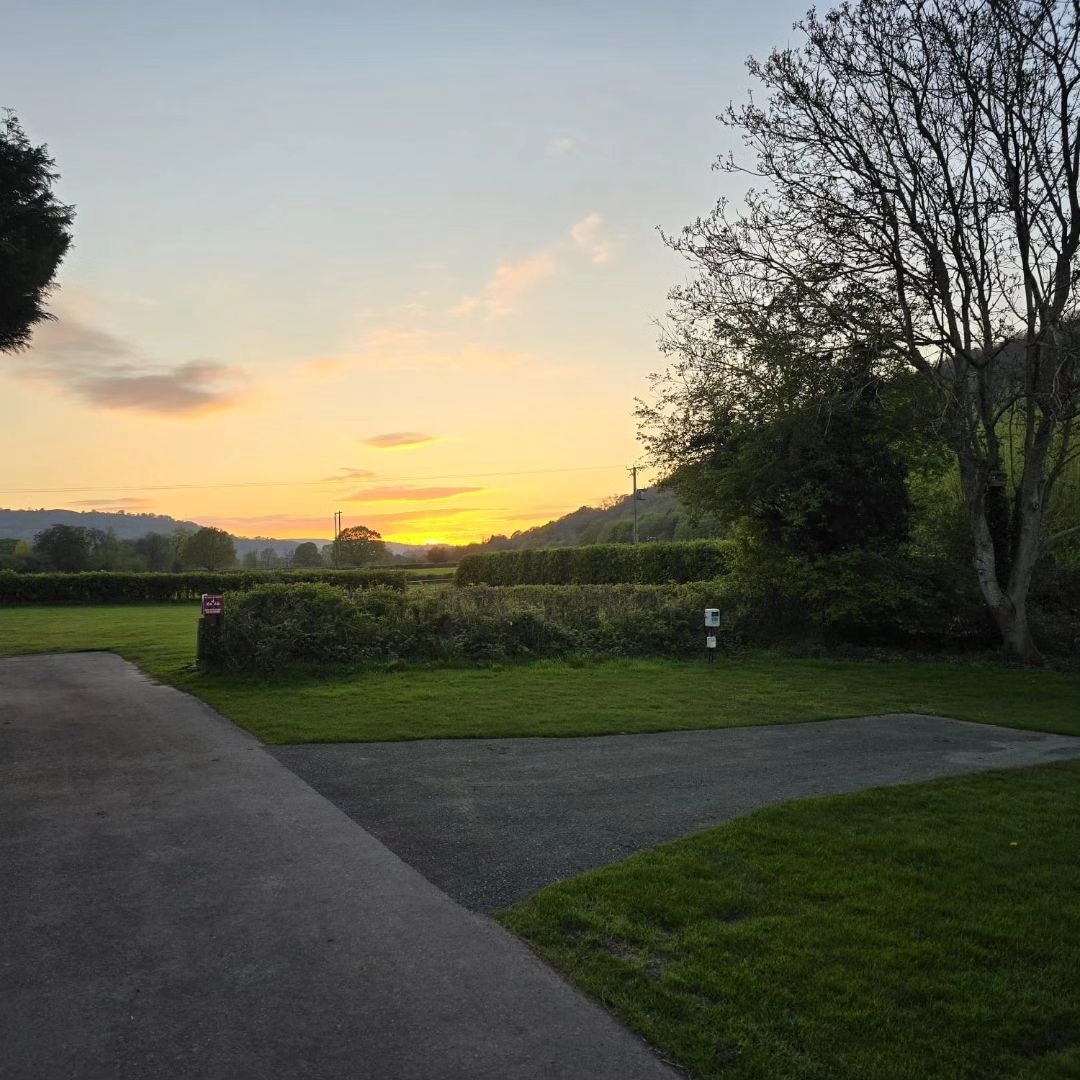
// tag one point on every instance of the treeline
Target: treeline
(107, 587)
(600, 564)
(77, 549)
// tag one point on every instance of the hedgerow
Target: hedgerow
(853, 599)
(276, 626)
(600, 564)
(106, 587)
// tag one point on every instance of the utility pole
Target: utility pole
(633, 473)
(337, 533)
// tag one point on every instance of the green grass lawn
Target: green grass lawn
(547, 697)
(897, 934)
(928, 931)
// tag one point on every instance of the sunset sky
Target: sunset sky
(398, 260)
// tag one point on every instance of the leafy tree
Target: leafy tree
(250, 561)
(268, 559)
(358, 545)
(64, 547)
(209, 549)
(16, 555)
(35, 234)
(306, 554)
(917, 189)
(440, 553)
(817, 476)
(155, 549)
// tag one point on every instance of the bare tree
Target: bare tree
(916, 167)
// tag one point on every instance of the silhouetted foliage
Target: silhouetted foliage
(35, 234)
(915, 182)
(358, 545)
(63, 547)
(209, 549)
(307, 554)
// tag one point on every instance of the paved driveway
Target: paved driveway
(490, 821)
(174, 904)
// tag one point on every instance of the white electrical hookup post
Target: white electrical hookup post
(712, 622)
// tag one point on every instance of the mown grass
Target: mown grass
(897, 934)
(547, 697)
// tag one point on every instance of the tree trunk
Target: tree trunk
(1012, 623)
(1008, 605)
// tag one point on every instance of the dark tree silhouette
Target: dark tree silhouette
(35, 234)
(916, 172)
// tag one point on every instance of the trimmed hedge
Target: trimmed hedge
(856, 599)
(106, 587)
(601, 564)
(278, 626)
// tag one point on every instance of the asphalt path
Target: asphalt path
(491, 821)
(175, 904)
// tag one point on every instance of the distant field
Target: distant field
(547, 697)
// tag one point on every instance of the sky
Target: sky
(397, 260)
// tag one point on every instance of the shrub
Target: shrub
(278, 626)
(275, 626)
(768, 599)
(104, 587)
(600, 564)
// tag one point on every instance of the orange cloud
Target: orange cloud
(506, 287)
(431, 514)
(281, 526)
(325, 365)
(351, 474)
(399, 440)
(411, 494)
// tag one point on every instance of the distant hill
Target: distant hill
(660, 517)
(26, 524)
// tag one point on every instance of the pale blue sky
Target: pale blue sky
(271, 183)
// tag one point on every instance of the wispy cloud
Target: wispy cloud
(508, 285)
(113, 504)
(104, 370)
(588, 235)
(270, 524)
(415, 350)
(432, 514)
(541, 514)
(559, 147)
(399, 440)
(351, 474)
(409, 494)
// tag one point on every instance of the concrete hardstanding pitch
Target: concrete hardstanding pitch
(176, 904)
(490, 821)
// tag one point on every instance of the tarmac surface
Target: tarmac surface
(176, 904)
(491, 821)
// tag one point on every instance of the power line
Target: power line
(121, 490)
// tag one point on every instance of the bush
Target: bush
(1054, 607)
(859, 599)
(600, 564)
(103, 587)
(279, 626)
(275, 626)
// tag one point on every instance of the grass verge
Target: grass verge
(899, 934)
(547, 697)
